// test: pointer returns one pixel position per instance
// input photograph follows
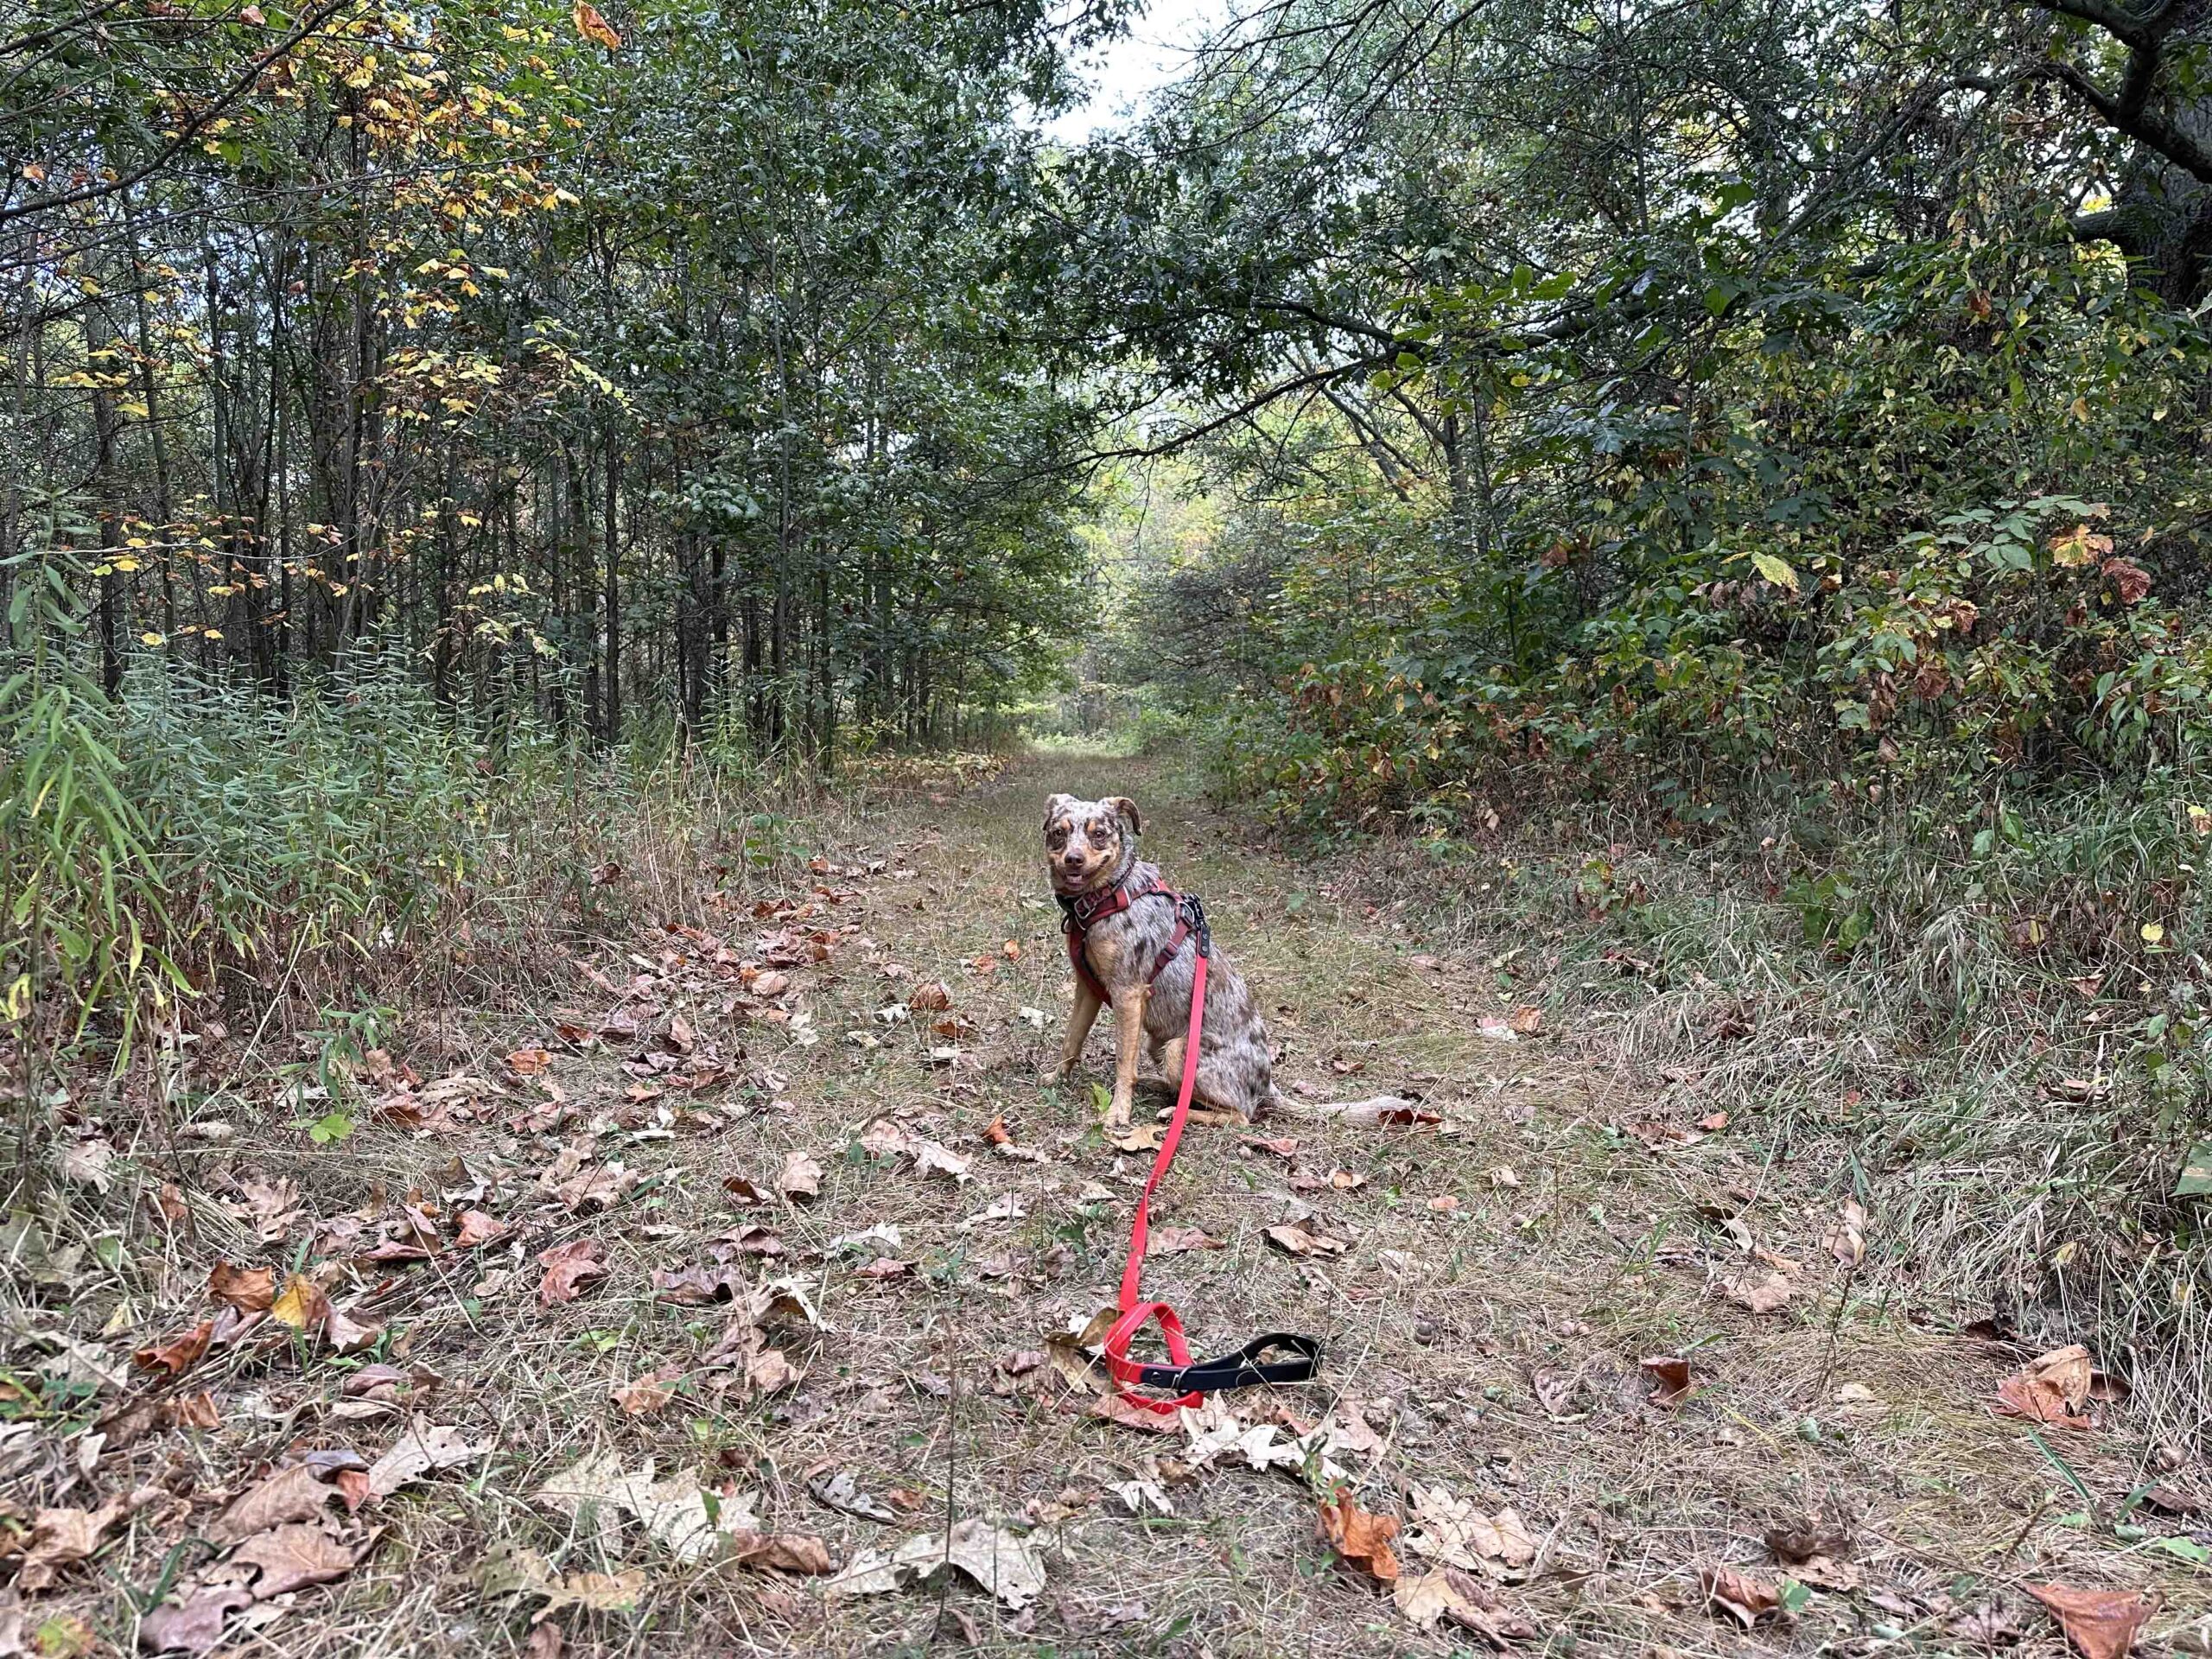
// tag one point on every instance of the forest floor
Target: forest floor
(800, 1308)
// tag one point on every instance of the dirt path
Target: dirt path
(1486, 1290)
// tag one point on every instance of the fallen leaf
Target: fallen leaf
(595, 1592)
(193, 1624)
(530, 1061)
(1003, 1563)
(1761, 1295)
(786, 1552)
(302, 1307)
(1456, 1531)
(1554, 1388)
(997, 1134)
(931, 996)
(1302, 1238)
(801, 1177)
(1007, 1206)
(2102, 1624)
(290, 1494)
(1114, 1409)
(292, 1556)
(1362, 1538)
(64, 1538)
(930, 1159)
(569, 1269)
(1171, 1241)
(478, 1230)
(744, 1190)
(1846, 1240)
(273, 1205)
(1446, 1594)
(1670, 1375)
(85, 1163)
(770, 1372)
(250, 1290)
(1805, 1540)
(674, 1511)
(649, 1394)
(841, 1492)
(2067, 1369)
(417, 1452)
(1527, 1020)
(2050, 1388)
(178, 1353)
(1747, 1598)
(193, 1411)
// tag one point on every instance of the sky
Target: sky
(1154, 51)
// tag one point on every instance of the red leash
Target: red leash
(1195, 1379)
(1136, 1314)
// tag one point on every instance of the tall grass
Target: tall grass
(1992, 1028)
(350, 845)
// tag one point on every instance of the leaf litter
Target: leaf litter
(294, 1533)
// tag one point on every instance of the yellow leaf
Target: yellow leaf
(2152, 932)
(152, 638)
(297, 1306)
(592, 26)
(1777, 571)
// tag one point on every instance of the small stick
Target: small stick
(1835, 1324)
(951, 1480)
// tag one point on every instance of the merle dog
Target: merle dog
(1090, 849)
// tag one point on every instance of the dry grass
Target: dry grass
(1436, 1321)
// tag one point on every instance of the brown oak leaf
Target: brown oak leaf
(571, 1268)
(2102, 1624)
(1358, 1537)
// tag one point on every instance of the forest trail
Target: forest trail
(1486, 1292)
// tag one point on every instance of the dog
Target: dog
(1090, 850)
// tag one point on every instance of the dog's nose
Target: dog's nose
(1073, 861)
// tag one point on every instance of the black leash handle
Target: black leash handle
(1243, 1369)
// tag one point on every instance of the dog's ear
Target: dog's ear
(1126, 810)
(1056, 806)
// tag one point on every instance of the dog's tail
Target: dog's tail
(1377, 1109)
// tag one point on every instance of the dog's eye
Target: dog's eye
(1056, 836)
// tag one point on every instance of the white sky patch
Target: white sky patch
(1128, 69)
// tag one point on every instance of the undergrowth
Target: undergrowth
(1993, 1034)
(306, 866)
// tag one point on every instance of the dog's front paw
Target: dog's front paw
(1053, 1074)
(1117, 1114)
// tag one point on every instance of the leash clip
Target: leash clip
(1194, 912)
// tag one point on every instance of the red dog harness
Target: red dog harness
(1194, 1379)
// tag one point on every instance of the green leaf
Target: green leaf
(2196, 1178)
(336, 1126)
